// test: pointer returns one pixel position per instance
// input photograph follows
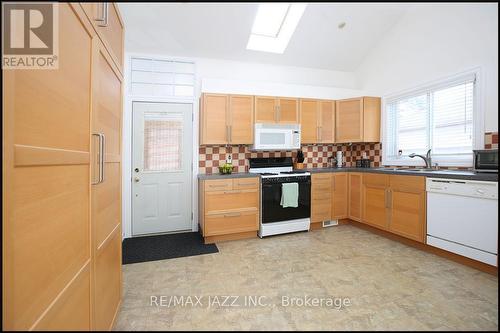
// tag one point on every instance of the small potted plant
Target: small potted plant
(299, 161)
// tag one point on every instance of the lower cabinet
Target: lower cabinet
(340, 189)
(395, 203)
(374, 198)
(321, 197)
(229, 208)
(354, 196)
(407, 206)
(329, 196)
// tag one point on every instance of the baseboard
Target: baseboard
(493, 270)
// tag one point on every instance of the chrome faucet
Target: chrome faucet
(427, 158)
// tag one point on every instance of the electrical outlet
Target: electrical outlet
(229, 159)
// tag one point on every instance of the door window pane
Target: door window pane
(162, 142)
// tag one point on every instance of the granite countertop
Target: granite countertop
(451, 174)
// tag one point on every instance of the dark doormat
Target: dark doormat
(151, 248)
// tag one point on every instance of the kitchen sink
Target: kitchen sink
(417, 170)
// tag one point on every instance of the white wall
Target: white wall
(432, 41)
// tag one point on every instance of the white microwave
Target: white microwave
(276, 137)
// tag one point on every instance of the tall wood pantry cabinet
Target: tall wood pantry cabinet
(62, 179)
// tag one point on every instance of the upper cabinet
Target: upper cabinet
(358, 120)
(226, 119)
(281, 110)
(108, 23)
(317, 120)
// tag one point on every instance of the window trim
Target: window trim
(477, 127)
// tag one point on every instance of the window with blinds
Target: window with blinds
(162, 78)
(439, 118)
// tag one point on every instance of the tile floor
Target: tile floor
(389, 286)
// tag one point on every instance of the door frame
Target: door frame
(131, 169)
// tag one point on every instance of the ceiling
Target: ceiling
(221, 30)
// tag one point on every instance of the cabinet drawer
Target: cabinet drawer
(321, 178)
(234, 222)
(229, 200)
(376, 180)
(410, 183)
(245, 183)
(218, 185)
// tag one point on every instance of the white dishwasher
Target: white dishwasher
(462, 217)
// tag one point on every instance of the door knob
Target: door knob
(136, 179)
(136, 169)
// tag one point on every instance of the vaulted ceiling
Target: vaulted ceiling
(221, 30)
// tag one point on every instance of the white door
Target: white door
(161, 167)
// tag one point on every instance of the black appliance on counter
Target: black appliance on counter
(486, 160)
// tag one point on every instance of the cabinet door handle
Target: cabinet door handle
(279, 113)
(386, 198)
(103, 18)
(227, 133)
(231, 133)
(390, 198)
(100, 154)
(333, 183)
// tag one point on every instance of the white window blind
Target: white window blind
(439, 118)
(162, 78)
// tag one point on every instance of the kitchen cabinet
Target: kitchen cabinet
(375, 200)
(317, 119)
(339, 195)
(106, 19)
(226, 119)
(62, 230)
(407, 203)
(326, 122)
(106, 218)
(357, 120)
(229, 208)
(241, 119)
(355, 189)
(282, 110)
(309, 123)
(321, 197)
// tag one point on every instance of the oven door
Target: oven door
(272, 211)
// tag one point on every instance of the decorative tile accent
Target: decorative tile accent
(315, 156)
(491, 140)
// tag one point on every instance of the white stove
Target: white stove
(274, 218)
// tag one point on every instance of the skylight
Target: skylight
(274, 25)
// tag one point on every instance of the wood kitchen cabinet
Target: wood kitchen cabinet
(317, 119)
(339, 195)
(309, 123)
(282, 110)
(62, 212)
(357, 120)
(226, 119)
(375, 200)
(106, 19)
(321, 197)
(354, 196)
(407, 201)
(229, 208)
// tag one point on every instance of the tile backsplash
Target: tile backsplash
(315, 156)
(491, 140)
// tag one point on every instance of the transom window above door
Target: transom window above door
(442, 117)
(161, 78)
